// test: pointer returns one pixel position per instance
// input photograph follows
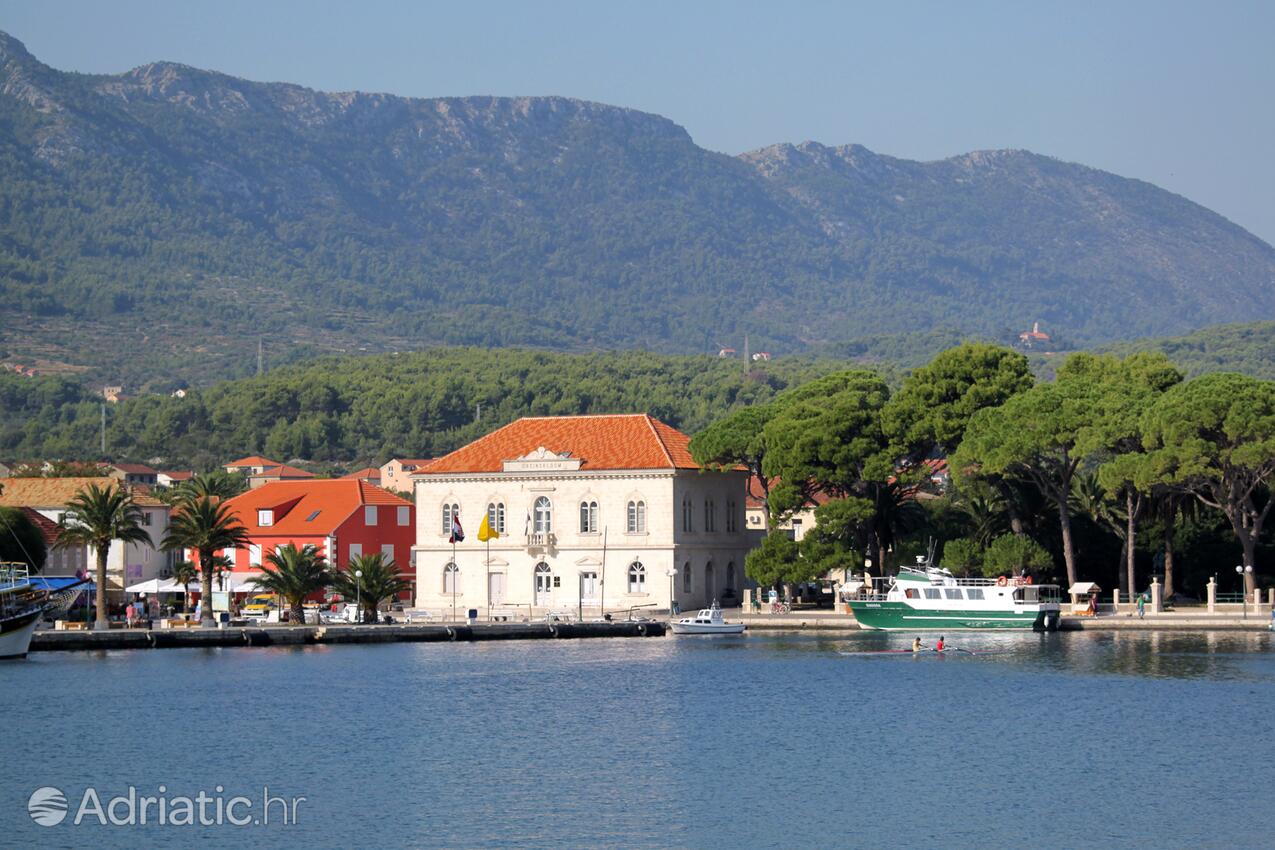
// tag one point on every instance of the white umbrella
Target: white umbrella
(151, 586)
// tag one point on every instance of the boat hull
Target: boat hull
(703, 629)
(899, 616)
(15, 634)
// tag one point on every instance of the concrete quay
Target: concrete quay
(51, 641)
(826, 620)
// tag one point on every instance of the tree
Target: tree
(21, 540)
(184, 573)
(777, 561)
(217, 484)
(1214, 437)
(95, 517)
(962, 555)
(204, 526)
(1088, 497)
(1014, 554)
(736, 440)
(934, 406)
(294, 574)
(381, 580)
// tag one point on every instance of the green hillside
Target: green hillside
(155, 224)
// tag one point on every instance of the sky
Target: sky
(1178, 94)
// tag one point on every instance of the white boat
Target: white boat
(20, 608)
(707, 621)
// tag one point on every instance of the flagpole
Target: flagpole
(488, 566)
(602, 592)
(455, 571)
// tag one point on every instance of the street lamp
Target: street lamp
(672, 591)
(1240, 571)
(358, 594)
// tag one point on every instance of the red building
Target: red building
(343, 517)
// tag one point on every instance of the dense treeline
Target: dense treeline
(353, 410)
(1117, 469)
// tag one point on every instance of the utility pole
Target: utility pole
(261, 356)
(103, 430)
(745, 354)
(478, 411)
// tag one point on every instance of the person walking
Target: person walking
(1142, 605)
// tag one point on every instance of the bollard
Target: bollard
(1270, 597)
(1115, 601)
(1257, 599)
(1157, 595)
(1212, 595)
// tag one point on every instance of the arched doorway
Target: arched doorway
(710, 583)
(544, 583)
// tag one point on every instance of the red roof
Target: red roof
(329, 501)
(179, 476)
(134, 468)
(254, 460)
(620, 441)
(283, 471)
(755, 498)
(365, 473)
(48, 528)
(415, 462)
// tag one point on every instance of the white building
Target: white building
(593, 512)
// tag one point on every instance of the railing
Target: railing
(540, 539)
(13, 574)
(1235, 598)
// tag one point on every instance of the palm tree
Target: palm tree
(205, 526)
(381, 580)
(185, 572)
(95, 517)
(294, 574)
(218, 484)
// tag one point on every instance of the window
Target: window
(265, 517)
(637, 517)
(387, 549)
(450, 512)
(369, 514)
(356, 550)
(686, 577)
(732, 521)
(637, 577)
(254, 554)
(710, 515)
(687, 516)
(588, 517)
(974, 593)
(313, 515)
(543, 515)
(952, 592)
(404, 515)
(931, 593)
(911, 593)
(496, 517)
(730, 579)
(451, 576)
(794, 533)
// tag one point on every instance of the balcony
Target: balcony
(541, 540)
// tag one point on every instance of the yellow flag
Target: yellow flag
(485, 531)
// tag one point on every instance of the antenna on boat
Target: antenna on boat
(929, 554)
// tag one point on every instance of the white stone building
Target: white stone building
(593, 512)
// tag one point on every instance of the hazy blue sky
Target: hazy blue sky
(1180, 94)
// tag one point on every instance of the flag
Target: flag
(458, 536)
(526, 529)
(485, 531)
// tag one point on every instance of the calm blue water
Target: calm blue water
(1066, 740)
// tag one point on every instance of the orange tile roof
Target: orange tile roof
(334, 498)
(620, 441)
(365, 473)
(254, 460)
(414, 462)
(133, 468)
(49, 529)
(56, 492)
(283, 471)
(179, 475)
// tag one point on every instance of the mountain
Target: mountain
(157, 223)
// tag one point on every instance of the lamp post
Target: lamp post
(358, 594)
(1240, 571)
(672, 591)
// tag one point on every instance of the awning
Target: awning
(852, 587)
(56, 583)
(152, 586)
(1084, 588)
(240, 583)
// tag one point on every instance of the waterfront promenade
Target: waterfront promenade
(1190, 619)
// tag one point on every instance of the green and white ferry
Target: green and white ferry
(929, 597)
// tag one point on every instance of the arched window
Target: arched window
(637, 577)
(542, 515)
(730, 580)
(496, 517)
(710, 515)
(543, 583)
(451, 579)
(732, 521)
(687, 516)
(450, 512)
(710, 589)
(687, 582)
(637, 517)
(588, 517)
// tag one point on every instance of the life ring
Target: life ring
(1002, 581)
(1027, 580)
(641, 629)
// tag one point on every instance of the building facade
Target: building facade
(397, 474)
(593, 513)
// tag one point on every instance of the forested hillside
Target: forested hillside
(360, 410)
(155, 224)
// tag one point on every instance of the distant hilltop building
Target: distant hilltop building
(1033, 337)
(761, 355)
(112, 394)
(727, 352)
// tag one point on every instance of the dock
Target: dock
(54, 641)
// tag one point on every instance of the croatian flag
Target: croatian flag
(458, 536)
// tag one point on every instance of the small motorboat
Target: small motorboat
(707, 621)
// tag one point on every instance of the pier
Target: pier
(52, 640)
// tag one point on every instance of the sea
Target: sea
(780, 740)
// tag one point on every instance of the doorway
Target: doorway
(544, 583)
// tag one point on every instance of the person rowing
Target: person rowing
(938, 647)
(916, 644)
